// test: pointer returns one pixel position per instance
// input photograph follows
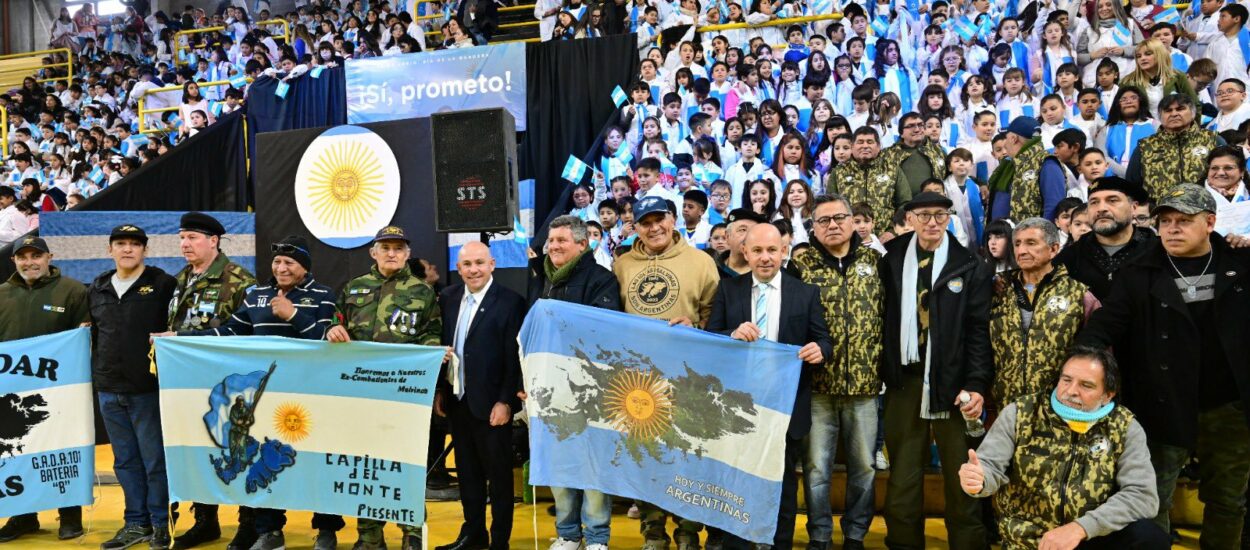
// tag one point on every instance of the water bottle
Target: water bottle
(972, 426)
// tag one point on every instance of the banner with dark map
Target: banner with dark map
(47, 427)
(690, 421)
(275, 422)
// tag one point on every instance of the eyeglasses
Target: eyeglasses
(285, 249)
(926, 217)
(823, 221)
(913, 126)
(1221, 93)
(720, 195)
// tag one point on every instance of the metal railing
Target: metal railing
(181, 45)
(144, 111)
(773, 23)
(4, 132)
(35, 63)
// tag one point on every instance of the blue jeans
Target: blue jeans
(577, 507)
(133, 422)
(854, 418)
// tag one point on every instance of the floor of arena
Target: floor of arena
(104, 518)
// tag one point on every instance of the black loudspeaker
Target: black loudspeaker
(475, 172)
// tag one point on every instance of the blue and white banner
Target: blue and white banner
(294, 424)
(420, 84)
(47, 427)
(79, 240)
(507, 249)
(692, 422)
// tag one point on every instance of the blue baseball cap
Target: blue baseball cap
(650, 205)
(1024, 126)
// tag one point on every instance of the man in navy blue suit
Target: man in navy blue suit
(478, 394)
(769, 304)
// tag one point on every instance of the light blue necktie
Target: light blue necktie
(462, 329)
(761, 308)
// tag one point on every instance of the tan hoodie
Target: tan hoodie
(681, 282)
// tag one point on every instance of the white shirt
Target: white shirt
(1226, 53)
(1231, 121)
(773, 305)
(477, 301)
(120, 285)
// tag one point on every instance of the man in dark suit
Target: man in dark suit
(479, 394)
(768, 304)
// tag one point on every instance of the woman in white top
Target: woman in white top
(796, 207)
(1101, 40)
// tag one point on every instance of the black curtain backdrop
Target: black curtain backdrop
(277, 216)
(570, 86)
(207, 172)
(310, 102)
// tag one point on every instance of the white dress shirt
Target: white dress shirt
(477, 301)
(773, 306)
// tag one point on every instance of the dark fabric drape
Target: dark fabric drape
(207, 172)
(310, 103)
(570, 86)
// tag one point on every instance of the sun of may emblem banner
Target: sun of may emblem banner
(294, 424)
(692, 422)
(47, 428)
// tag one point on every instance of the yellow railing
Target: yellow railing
(4, 132)
(144, 111)
(503, 26)
(14, 68)
(521, 7)
(181, 46)
(773, 23)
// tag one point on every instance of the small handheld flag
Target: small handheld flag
(1121, 34)
(518, 232)
(574, 170)
(1169, 15)
(316, 71)
(238, 81)
(880, 26)
(965, 29)
(619, 97)
(667, 167)
(282, 89)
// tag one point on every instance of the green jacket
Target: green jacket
(210, 300)
(1028, 361)
(52, 304)
(1168, 159)
(400, 309)
(877, 184)
(1026, 189)
(894, 156)
(854, 303)
(1057, 475)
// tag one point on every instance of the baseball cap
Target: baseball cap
(127, 231)
(650, 205)
(36, 243)
(1187, 198)
(391, 233)
(1024, 126)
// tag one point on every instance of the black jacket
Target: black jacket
(120, 327)
(802, 321)
(589, 284)
(1155, 339)
(959, 309)
(492, 360)
(1085, 260)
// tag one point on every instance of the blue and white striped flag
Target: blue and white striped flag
(965, 29)
(325, 416)
(692, 422)
(239, 81)
(80, 239)
(667, 167)
(48, 440)
(1169, 15)
(880, 26)
(619, 97)
(518, 233)
(1121, 34)
(96, 175)
(574, 170)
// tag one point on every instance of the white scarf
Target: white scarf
(909, 338)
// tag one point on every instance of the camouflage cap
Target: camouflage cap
(1186, 198)
(391, 233)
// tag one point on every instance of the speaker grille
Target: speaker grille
(473, 153)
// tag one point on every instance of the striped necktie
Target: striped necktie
(761, 308)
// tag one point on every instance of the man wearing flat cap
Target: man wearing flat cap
(37, 300)
(1178, 317)
(389, 304)
(210, 288)
(294, 305)
(1117, 241)
(937, 366)
(127, 304)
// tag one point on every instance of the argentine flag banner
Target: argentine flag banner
(690, 421)
(281, 423)
(47, 427)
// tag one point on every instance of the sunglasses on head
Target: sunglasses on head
(285, 249)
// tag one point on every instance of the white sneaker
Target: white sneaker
(880, 463)
(565, 544)
(597, 547)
